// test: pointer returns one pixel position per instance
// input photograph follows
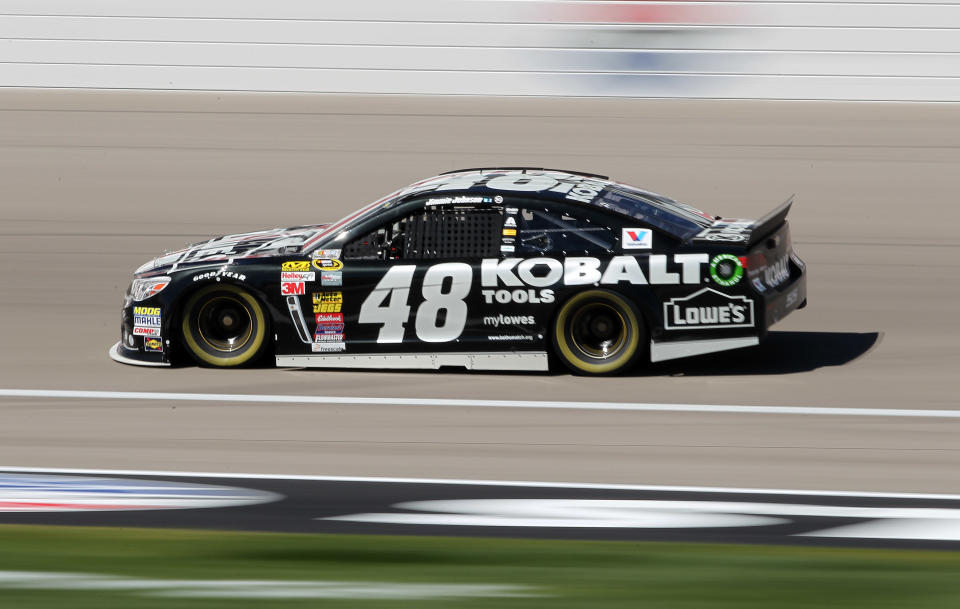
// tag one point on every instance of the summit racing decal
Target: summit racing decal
(708, 309)
(329, 327)
(43, 493)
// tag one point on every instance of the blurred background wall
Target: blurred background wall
(811, 49)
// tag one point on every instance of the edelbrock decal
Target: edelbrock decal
(708, 309)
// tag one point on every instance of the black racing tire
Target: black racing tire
(224, 326)
(598, 332)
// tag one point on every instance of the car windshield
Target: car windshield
(656, 210)
(353, 219)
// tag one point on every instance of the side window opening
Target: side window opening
(431, 233)
(542, 231)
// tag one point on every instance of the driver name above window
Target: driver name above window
(497, 188)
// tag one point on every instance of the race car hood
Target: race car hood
(746, 232)
(259, 244)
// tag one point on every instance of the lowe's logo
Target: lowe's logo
(636, 239)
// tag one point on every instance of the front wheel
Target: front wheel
(224, 326)
(598, 332)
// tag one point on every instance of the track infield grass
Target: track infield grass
(555, 574)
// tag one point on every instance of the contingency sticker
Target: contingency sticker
(636, 239)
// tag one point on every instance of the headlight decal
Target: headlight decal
(141, 289)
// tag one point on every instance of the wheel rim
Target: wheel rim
(225, 323)
(598, 331)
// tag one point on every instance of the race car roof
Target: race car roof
(495, 184)
(586, 189)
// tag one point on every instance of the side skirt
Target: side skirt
(662, 351)
(526, 360)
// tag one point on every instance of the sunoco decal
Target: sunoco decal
(708, 309)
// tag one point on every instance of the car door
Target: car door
(411, 284)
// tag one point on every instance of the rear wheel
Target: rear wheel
(598, 332)
(224, 326)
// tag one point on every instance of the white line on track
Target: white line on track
(511, 483)
(460, 403)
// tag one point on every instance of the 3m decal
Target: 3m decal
(327, 302)
(293, 288)
(331, 279)
(327, 264)
(636, 239)
(153, 345)
(708, 309)
(295, 265)
(297, 276)
(726, 269)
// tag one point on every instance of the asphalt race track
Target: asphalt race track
(96, 183)
(481, 509)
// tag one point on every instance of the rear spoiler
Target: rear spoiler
(770, 222)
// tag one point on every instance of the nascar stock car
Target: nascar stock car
(500, 268)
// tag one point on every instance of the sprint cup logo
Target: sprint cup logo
(708, 309)
(327, 264)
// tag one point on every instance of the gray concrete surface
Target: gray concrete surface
(95, 183)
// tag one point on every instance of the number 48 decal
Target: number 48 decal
(387, 303)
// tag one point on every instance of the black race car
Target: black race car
(483, 268)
